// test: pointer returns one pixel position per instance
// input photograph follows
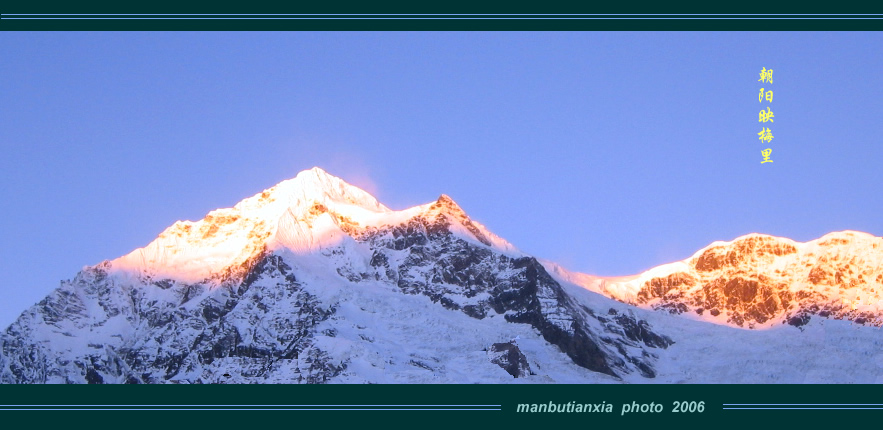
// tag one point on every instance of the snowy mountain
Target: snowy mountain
(315, 281)
(758, 281)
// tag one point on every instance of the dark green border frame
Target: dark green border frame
(553, 15)
(288, 406)
(439, 23)
(803, 406)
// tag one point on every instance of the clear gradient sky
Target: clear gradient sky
(608, 152)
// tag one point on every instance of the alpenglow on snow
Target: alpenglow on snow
(315, 281)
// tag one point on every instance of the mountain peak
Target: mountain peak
(317, 185)
(316, 170)
(312, 211)
(280, 215)
(447, 204)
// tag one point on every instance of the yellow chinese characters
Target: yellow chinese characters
(766, 115)
(765, 135)
(766, 75)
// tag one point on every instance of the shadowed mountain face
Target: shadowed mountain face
(315, 281)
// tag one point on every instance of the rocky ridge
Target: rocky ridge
(759, 280)
(315, 281)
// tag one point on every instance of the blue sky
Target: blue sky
(608, 152)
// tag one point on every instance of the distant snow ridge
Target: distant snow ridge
(758, 281)
(312, 281)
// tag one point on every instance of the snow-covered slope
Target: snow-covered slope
(313, 280)
(759, 281)
(313, 211)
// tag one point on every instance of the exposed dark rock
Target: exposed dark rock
(658, 287)
(510, 358)
(175, 339)
(93, 377)
(421, 364)
(639, 331)
(452, 272)
(799, 320)
(719, 257)
(198, 332)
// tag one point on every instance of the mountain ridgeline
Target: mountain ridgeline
(757, 281)
(315, 281)
(328, 291)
